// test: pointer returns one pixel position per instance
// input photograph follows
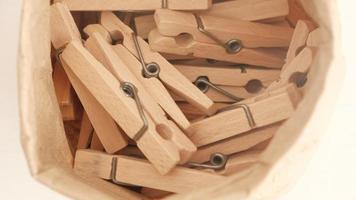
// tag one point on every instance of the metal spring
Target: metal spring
(204, 84)
(217, 162)
(232, 46)
(113, 173)
(149, 70)
(247, 111)
(131, 91)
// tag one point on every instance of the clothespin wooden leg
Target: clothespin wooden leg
(128, 170)
(246, 116)
(64, 31)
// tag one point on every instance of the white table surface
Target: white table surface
(331, 173)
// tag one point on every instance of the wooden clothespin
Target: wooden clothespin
(299, 57)
(136, 5)
(229, 75)
(232, 31)
(235, 144)
(86, 132)
(96, 143)
(134, 171)
(250, 10)
(67, 100)
(63, 32)
(184, 45)
(144, 25)
(157, 142)
(97, 28)
(207, 37)
(269, 108)
(296, 71)
(156, 67)
(299, 40)
(105, 54)
(223, 93)
(229, 84)
(123, 65)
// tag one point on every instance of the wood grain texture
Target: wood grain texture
(66, 98)
(153, 86)
(86, 132)
(97, 28)
(154, 144)
(271, 109)
(63, 27)
(250, 10)
(95, 143)
(299, 40)
(251, 34)
(170, 76)
(236, 144)
(108, 132)
(105, 54)
(144, 24)
(218, 97)
(300, 64)
(139, 172)
(186, 46)
(135, 5)
(229, 76)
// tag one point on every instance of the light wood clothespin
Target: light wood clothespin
(63, 27)
(185, 45)
(63, 32)
(269, 108)
(299, 40)
(96, 143)
(122, 65)
(67, 100)
(235, 144)
(189, 109)
(317, 38)
(86, 132)
(230, 75)
(105, 54)
(155, 66)
(227, 83)
(157, 142)
(296, 71)
(250, 10)
(136, 5)
(225, 94)
(229, 31)
(133, 171)
(93, 28)
(144, 24)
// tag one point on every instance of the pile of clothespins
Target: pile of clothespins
(179, 93)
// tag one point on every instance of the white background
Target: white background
(331, 174)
